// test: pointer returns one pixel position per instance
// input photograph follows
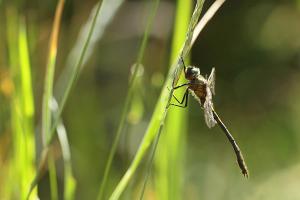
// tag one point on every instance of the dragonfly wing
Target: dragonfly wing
(211, 80)
(208, 112)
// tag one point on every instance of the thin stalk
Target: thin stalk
(74, 75)
(47, 95)
(153, 11)
(50, 69)
(170, 156)
(160, 111)
(69, 181)
(206, 18)
(150, 163)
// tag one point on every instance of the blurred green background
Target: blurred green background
(255, 48)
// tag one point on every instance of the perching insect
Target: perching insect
(203, 89)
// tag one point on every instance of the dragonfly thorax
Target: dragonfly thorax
(192, 72)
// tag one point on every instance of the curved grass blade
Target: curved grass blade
(69, 180)
(74, 74)
(73, 69)
(47, 96)
(206, 18)
(158, 117)
(48, 93)
(101, 16)
(137, 66)
(50, 69)
(106, 13)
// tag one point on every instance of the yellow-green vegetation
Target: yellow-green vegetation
(84, 89)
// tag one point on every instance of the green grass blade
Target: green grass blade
(47, 95)
(149, 165)
(206, 18)
(50, 69)
(170, 159)
(22, 107)
(153, 11)
(12, 22)
(74, 73)
(158, 117)
(188, 40)
(69, 180)
(26, 96)
(106, 13)
(52, 177)
(28, 105)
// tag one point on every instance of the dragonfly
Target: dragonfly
(203, 88)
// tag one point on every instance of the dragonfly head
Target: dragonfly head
(192, 72)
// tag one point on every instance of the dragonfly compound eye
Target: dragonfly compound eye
(192, 72)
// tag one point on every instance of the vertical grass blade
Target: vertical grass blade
(26, 97)
(74, 73)
(49, 76)
(47, 95)
(170, 159)
(12, 46)
(158, 117)
(22, 107)
(26, 83)
(137, 65)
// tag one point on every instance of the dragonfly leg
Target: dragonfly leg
(179, 86)
(184, 100)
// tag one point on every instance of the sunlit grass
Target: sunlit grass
(48, 128)
(47, 96)
(156, 123)
(46, 111)
(170, 154)
(158, 118)
(22, 108)
(69, 180)
(132, 82)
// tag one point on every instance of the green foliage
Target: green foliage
(116, 115)
(22, 108)
(158, 117)
(132, 83)
(170, 159)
